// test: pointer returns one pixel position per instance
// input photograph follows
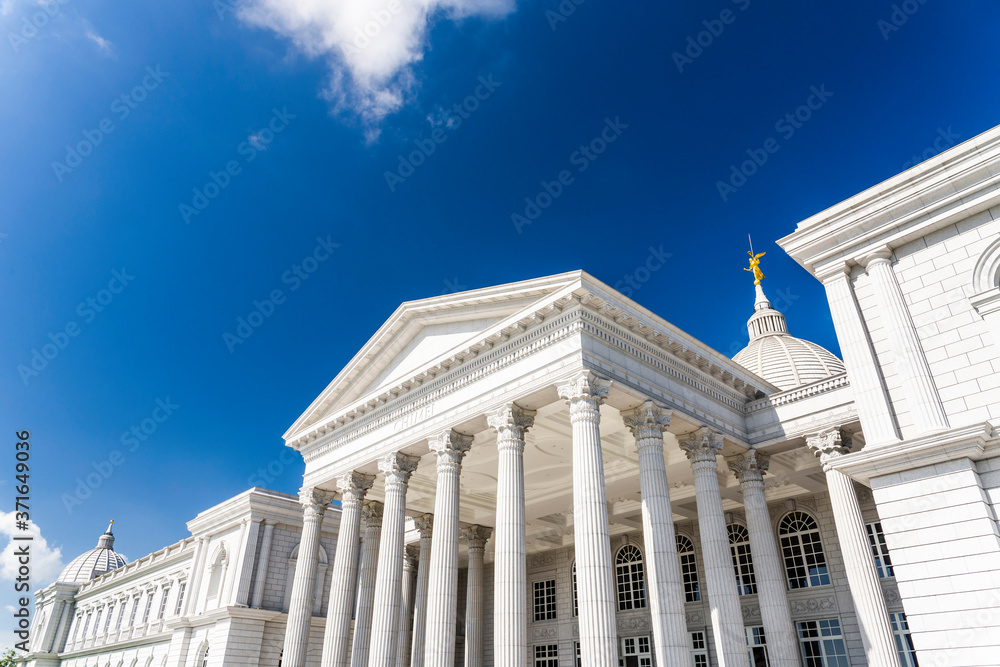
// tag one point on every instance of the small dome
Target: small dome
(93, 563)
(780, 358)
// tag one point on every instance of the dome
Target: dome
(781, 359)
(90, 564)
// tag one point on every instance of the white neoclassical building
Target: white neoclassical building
(547, 474)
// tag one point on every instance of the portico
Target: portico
(556, 414)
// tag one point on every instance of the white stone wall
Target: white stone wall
(935, 274)
(941, 528)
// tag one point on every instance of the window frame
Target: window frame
(880, 550)
(689, 577)
(904, 639)
(739, 549)
(550, 657)
(630, 579)
(698, 648)
(543, 600)
(822, 641)
(792, 540)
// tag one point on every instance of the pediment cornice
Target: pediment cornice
(699, 365)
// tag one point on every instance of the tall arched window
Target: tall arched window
(204, 659)
(217, 570)
(631, 580)
(739, 546)
(802, 550)
(689, 569)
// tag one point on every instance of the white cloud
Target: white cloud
(46, 561)
(104, 45)
(370, 45)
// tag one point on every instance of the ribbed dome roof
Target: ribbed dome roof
(781, 359)
(93, 563)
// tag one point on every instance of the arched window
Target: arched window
(217, 570)
(689, 569)
(802, 550)
(739, 546)
(204, 659)
(631, 580)
(576, 600)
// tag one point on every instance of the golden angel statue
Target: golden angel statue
(758, 275)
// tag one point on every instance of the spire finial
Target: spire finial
(108, 531)
(758, 275)
(107, 540)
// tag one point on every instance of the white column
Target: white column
(595, 574)
(260, 577)
(869, 393)
(397, 468)
(193, 595)
(245, 567)
(862, 577)
(300, 606)
(442, 590)
(723, 598)
(663, 570)
(371, 512)
(510, 580)
(783, 649)
(404, 638)
(425, 526)
(353, 487)
(476, 537)
(907, 355)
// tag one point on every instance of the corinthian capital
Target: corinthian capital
(397, 468)
(354, 485)
(829, 445)
(512, 420)
(477, 536)
(702, 445)
(648, 420)
(424, 524)
(749, 466)
(451, 447)
(587, 386)
(371, 512)
(314, 499)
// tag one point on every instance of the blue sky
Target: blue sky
(174, 162)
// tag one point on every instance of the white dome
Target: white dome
(93, 563)
(788, 362)
(780, 358)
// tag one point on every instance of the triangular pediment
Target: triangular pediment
(420, 333)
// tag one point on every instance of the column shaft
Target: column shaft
(510, 581)
(425, 525)
(869, 394)
(782, 642)
(595, 573)
(371, 512)
(442, 590)
(246, 568)
(353, 488)
(260, 577)
(862, 577)
(476, 536)
(403, 636)
(908, 356)
(304, 582)
(665, 585)
(388, 581)
(723, 598)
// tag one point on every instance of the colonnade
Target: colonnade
(393, 584)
